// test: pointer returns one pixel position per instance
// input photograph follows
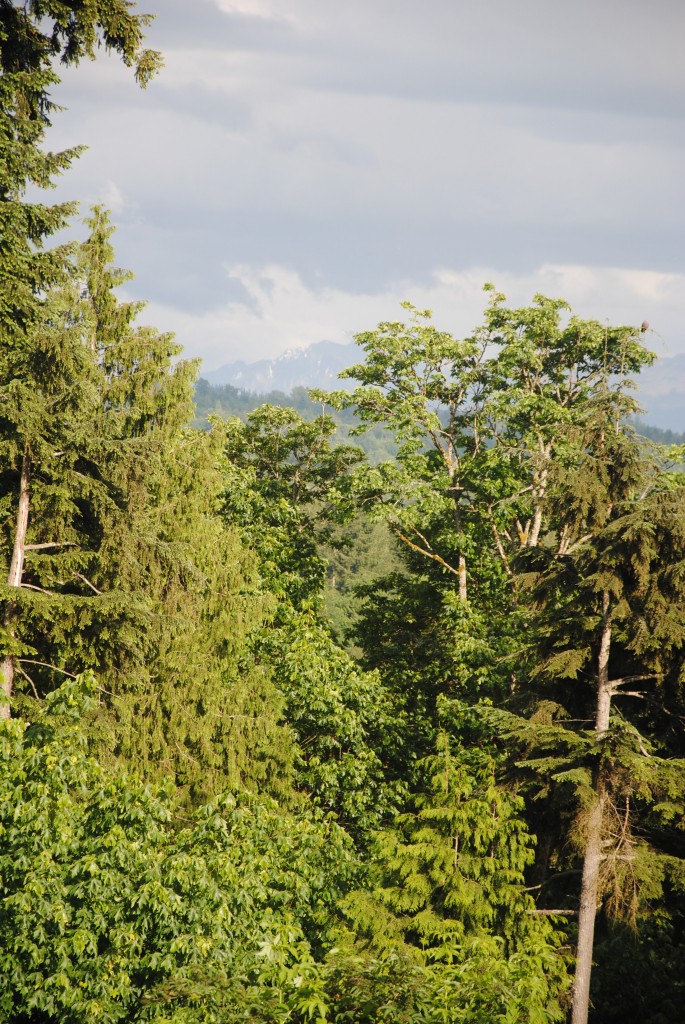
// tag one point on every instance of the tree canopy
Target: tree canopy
(453, 795)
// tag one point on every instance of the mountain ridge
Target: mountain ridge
(316, 366)
(661, 387)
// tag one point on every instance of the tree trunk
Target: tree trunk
(463, 594)
(589, 892)
(14, 579)
(461, 566)
(534, 535)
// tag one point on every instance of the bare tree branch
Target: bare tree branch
(422, 551)
(87, 582)
(44, 664)
(51, 544)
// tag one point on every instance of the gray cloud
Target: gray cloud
(363, 143)
(618, 55)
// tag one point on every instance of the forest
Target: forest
(366, 710)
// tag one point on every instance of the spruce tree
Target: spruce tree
(609, 648)
(32, 36)
(186, 697)
(49, 399)
(130, 571)
(446, 892)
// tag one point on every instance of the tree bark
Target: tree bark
(589, 892)
(534, 535)
(463, 593)
(14, 579)
(461, 566)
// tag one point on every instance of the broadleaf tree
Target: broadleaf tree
(555, 492)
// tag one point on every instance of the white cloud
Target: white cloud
(281, 312)
(112, 197)
(268, 10)
(366, 141)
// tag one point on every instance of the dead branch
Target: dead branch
(428, 554)
(44, 664)
(615, 683)
(51, 544)
(92, 586)
(549, 913)
(30, 680)
(32, 586)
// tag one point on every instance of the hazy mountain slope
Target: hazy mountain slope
(662, 393)
(316, 366)
(661, 387)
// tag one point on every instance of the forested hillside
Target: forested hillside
(226, 401)
(294, 729)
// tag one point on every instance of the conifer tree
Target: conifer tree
(32, 36)
(130, 571)
(49, 398)
(447, 890)
(610, 628)
(187, 698)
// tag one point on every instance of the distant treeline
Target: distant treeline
(659, 435)
(226, 400)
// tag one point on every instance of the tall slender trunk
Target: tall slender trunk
(534, 534)
(461, 566)
(14, 579)
(463, 594)
(589, 891)
(539, 492)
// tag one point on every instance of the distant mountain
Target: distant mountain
(316, 366)
(661, 392)
(661, 387)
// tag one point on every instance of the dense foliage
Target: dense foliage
(294, 730)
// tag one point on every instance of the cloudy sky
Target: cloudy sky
(302, 166)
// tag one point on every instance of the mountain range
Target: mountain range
(661, 389)
(316, 366)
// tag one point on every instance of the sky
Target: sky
(300, 167)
